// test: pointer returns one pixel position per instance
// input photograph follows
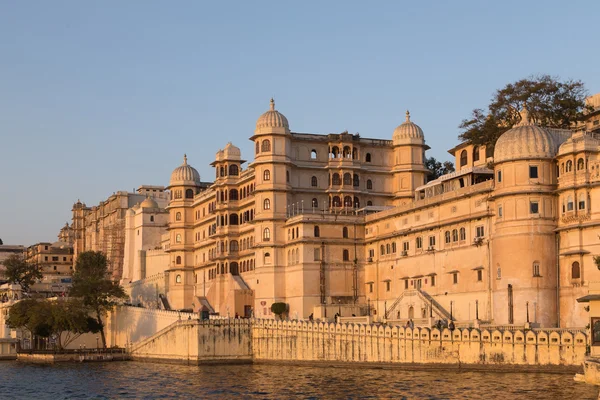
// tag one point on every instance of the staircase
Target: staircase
(424, 297)
(164, 302)
(240, 282)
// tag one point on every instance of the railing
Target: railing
(118, 350)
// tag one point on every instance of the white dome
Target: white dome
(272, 119)
(184, 175)
(149, 203)
(408, 132)
(231, 152)
(524, 141)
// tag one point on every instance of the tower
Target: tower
(409, 160)
(184, 185)
(272, 166)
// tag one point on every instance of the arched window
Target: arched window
(178, 238)
(267, 258)
(382, 249)
(419, 242)
(347, 201)
(476, 153)
(178, 216)
(569, 166)
(337, 202)
(463, 234)
(388, 249)
(368, 157)
(189, 194)
(335, 152)
(257, 147)
(354, 153)
(355, 180)
(233, 194)
(178, 260)
(233, 219)
(570, 205)
(178, 279)
(266, 235)
(575, 271)
(394, 247)
(346, 255)
(580, 164)
(266, 145)
(287, 176)
(234, 246)
(335, 179)
(356, 202)
(233, 169)
(317, 231)
(536, 269)
(581, 203)
(454, 235)
(314, 182)
(369, 184)
(267, 204)
(315, 203)
(313, 154)
(346, 152)
(369, 203)
(152, 218)
(562, 168)
(345, 232)
(447, 236)
(267, 175)
(222, 169)
(463, 158)
(347, 179)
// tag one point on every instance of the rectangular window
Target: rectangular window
(419, 243)
(582, 205)
(479, 275)
(45, 258)
(499, 176)
(370, 288)
(371, 253)
(406, 284)
(388, 286)
(432, 280)
(479, 231)
(455, 278)
(536, 269)
(64, 258)
(499, 273)
(317, 254)
(405, 246)
(533, 172)
(499, 211)
(55, 258)
(534, 207)
(432, 241)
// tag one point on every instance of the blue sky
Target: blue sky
(97, 97)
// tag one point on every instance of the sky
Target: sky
(97, 97)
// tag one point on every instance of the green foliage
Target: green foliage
(278, 309)
(437, 168)
(21, 272)
(597, 261)
(66, 320)
(91, 284)
(550, 102)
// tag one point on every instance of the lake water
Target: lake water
(134, 380)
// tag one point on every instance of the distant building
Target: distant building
(8, 250)
(56, 260)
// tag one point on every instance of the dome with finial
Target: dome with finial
(272, 119)
(524, 141)
(232, 152)
(408, 132)
(149, 202)
(184, 175)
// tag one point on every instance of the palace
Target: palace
(340, 223)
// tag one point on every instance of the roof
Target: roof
(588, 298)
(456, 174)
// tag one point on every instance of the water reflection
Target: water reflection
(133, 380)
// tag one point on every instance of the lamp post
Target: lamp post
(385, 309)
(369, 306)
(477, 309)
(97, 345)
(339, 307)
(451, 313)
(527, 305)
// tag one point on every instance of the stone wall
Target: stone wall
(323, 342)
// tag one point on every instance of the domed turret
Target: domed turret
(408, 133)
(149, 203)
(524, 141)
(231, 152)
(184, 175)
(272, 119)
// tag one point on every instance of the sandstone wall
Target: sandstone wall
(305, 341)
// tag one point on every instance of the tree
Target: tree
(437, 168)
(1, 242)
(278, 309)
(549, 101)
(91, 284)
(21, 272)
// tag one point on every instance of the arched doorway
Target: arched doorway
(233, 268)
(411, 312)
